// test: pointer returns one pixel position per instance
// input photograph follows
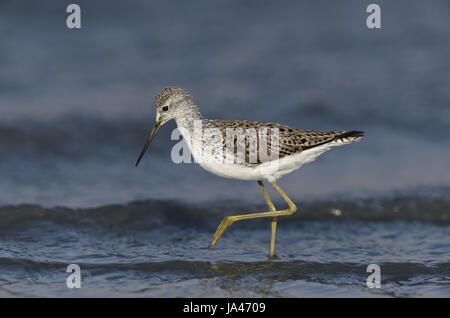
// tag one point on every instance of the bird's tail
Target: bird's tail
(348, 137)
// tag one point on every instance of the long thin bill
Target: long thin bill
(149, 140)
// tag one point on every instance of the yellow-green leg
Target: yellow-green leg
(273, 223)
(273, 213)
(273, 228)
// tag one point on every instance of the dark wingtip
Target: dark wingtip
(352, 133)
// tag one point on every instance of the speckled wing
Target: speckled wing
(290, 140)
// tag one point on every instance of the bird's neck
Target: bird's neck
(190, 125)
(189, 118)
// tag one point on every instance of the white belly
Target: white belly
(269, 170)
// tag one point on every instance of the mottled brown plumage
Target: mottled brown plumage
(291, 140)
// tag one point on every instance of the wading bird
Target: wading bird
(234, 150)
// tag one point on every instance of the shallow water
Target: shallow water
(159, 249)
(76, 107)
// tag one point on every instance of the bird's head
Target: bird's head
(171, 103)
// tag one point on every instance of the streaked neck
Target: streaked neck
(187, 118)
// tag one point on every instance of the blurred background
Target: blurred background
(76, 107)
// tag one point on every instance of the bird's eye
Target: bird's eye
(165, 108)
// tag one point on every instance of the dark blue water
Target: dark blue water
(77, 105)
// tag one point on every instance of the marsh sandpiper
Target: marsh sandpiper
(244, 150)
